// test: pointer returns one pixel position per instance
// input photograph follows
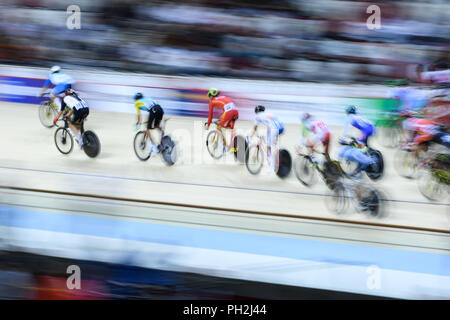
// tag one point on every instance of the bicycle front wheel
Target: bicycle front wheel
(141, 146)
(337, 199)
(430, 187)
(304, 171)
(215, 144)
(63, 141)
(46, 114)
(254, 159)
(405, 163)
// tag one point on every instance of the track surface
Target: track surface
(30, 159)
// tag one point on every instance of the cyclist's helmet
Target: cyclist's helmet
(55, 69)
(306, 116)
(351, 110)
(260, 108)
(213, 92)
(138, 96)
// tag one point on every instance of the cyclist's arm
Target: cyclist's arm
(47, 84)
(303, 137)
(138, 105)
(211, 108)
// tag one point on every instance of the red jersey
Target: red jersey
(220, 102)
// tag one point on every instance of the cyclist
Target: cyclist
(313, 132)
(423, 131)
(274, 128)
(61, 81)
(155, 116)
(364, 125)
(229, 116)
(78, 108)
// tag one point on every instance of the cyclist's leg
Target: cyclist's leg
(224, 123)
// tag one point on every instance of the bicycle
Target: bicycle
(167, 147)
(255, 155)
(304, 166)
(364, 197)
(64, 140)
(217, 145)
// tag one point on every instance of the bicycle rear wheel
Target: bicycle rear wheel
(284, 163)
(254, 159)
(215, 144)
(141, 146)
(240, 144)
(371, 201)
(63, 141)
(375, 171)
(304, 171)
(169, 150)
(46, 114)
(91, 144)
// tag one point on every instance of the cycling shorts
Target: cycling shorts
(79, 115)
(228, 119)
(155, 116)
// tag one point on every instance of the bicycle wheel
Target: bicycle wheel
(254, 159)
(430, 187)
(91, 144)
(337, 199)
(141, 146)
(240, 144)
(284, 163)
(215, 144)
(304, 171)
(46, 114)
(168, 150)
(63, 140)
(370, 201)
(375, 171)
(405, 163)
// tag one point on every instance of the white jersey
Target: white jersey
(269, 120)
(74, 103)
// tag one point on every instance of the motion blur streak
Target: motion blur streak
(356, 99)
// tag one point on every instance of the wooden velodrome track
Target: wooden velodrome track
(30, 161)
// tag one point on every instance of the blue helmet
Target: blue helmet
(138, 96)
(351, 110)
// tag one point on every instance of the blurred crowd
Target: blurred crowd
(321, 40)
(38, 277)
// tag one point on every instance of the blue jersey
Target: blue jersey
(58, 79)
(410, 98)
(358, 122)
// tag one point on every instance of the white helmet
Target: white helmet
(55, 69)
